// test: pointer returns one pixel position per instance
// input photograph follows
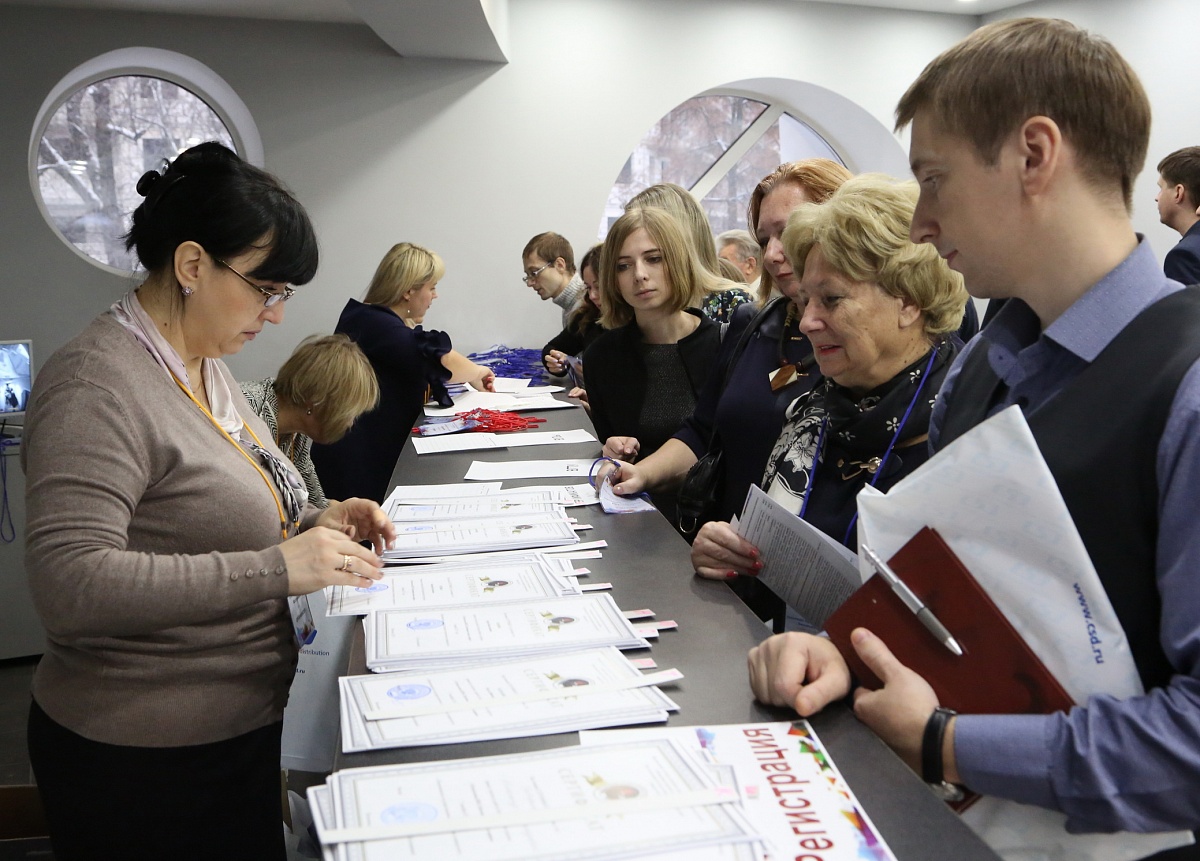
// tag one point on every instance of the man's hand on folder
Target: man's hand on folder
(808, 672)
(798, 670)
(899, 710)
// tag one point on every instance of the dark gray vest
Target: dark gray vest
(1100, 438)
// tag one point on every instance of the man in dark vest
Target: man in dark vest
(1026, 140)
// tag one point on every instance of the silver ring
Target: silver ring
(345, 563)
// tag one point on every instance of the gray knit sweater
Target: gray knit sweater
(151, 551)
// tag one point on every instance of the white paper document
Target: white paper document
(459, 509)
(509, 385)
(613, 504)
(579, 690)
(444, 637)
(617, 801)
(423, 492)
(470, 441)
(499, 401)
(811, 572)
(449, 537)
(582, 550)
(993, 499)
(833, 826)
(519, 578)
(499, 471)
(564, 494)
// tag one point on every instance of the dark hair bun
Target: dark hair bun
(146, 183)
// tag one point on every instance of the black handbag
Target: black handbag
(702, 488)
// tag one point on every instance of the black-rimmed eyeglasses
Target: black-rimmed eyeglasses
(270, 297)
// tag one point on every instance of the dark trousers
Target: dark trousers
(207, 801)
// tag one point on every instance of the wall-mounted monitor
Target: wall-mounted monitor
(16, 379)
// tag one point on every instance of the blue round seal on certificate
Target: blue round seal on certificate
(425, 624)
(409, 692)
(412, 811)
(374, 587)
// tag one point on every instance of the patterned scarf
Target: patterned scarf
(859, 430)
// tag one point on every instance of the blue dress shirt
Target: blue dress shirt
(1113, 765)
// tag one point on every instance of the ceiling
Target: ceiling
(343, 11)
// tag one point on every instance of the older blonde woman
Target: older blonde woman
(320, 391)
(880, 313)
(412, 365)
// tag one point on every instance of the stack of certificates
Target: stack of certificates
(717, 793)
(450, 636)
(503, 580)
(510, 699)
(481, 534)
(647, 799)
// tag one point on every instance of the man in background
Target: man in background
(741, 249)
(549, 266)
(1177, 199)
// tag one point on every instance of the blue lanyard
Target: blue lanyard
(883, 461)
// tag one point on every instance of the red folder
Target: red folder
(998, 672)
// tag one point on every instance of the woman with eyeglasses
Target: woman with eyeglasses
(412, 365)
(166, 532)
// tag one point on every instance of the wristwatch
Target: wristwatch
(932, 768)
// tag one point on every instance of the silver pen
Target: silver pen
(911, 601)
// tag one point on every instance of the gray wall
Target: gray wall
(470, 159)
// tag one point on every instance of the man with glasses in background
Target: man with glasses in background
(549, 266)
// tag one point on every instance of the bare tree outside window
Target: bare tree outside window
(687, 145)
(97, 144)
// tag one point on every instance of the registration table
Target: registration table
(648, 565)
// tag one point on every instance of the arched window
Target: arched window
(111, 120)
(718, 147)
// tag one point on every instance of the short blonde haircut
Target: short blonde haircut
(331, 375)
(819, 177)
(688, 280)
(862, 231)
(678, 201)
(406, 266)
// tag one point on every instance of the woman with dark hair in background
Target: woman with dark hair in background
(166, 531)
(583, 326)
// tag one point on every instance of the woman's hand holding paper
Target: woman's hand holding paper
(719, 553)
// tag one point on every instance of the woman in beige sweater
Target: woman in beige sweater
(166, 532)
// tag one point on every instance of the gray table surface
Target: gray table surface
(648, 564)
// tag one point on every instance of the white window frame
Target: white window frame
(177, 68)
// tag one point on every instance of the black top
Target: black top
(746, 414)
(616, 376)
(408, 364)
(572, 340)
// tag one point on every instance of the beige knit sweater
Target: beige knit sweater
(152, 555)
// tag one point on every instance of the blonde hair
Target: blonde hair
(687, 280)
(678, 201)
(331, 376)
(986, 86)
(406, 266)
(862, 231)
(819, 177)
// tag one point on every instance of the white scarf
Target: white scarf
(130, 314)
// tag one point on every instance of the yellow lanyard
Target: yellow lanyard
(270, 484)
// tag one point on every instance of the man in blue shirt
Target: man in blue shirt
(1177, 199)
(1026, 139)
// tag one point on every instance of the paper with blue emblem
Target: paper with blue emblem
(376, 709)
(618, 801)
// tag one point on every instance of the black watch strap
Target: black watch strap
(932, 767)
